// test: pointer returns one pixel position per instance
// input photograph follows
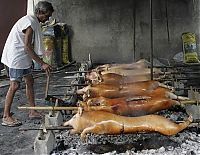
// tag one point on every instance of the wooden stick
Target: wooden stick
(48, 108)
(188, 102)
(55, 108)
(86, 108)
(47, 85)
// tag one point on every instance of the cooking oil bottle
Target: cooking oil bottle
(190, 48)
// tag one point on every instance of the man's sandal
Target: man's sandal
(11, 124)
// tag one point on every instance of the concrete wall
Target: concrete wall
(119, 31)
(9, 14)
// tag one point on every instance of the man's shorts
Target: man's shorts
(18, 74)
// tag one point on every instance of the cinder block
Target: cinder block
(193, 95)
(55, 119)
(194, 110)
(44, 143)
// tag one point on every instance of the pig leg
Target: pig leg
(112, 127)
(104, 127)
(175, 97)
(72, 131)
(166, 86)
(160, 125)
(173, 128)
(67, 123)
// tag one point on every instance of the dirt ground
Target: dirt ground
(13, 141)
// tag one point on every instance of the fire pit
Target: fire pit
(186, 142)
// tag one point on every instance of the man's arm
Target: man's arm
(28, 46)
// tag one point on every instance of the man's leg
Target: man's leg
(31, 95)
(14, 86)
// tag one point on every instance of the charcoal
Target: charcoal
(186, 142)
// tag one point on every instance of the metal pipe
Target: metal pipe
(179, 65)
(71, 85)
(178, 78)
(166, 9)
(178, 72)
(134, 30)
(47, 128)
(48, 108)
(73, 77)
(74, 72)
(55, 95)
(151, 36)
(63, 67)
(186, 88)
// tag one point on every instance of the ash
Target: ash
(186, 142)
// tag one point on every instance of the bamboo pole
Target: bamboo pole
(188, 102)
(48, 108)
(47, 85)
(54, 108)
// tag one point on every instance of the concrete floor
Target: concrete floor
(13, 141)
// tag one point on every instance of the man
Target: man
(24, 44)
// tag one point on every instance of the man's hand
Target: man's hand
(47, 68)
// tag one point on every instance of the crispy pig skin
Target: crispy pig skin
(101, 122)
(115, 91)
(116, 79)
(124, 107)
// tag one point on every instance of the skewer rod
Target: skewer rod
(47, 128)
(188, 102)
(74, 72)
(69, 127)
(65, 108)
(70, 85)
(48, 108)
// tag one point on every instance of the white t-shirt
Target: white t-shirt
(14, 54)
